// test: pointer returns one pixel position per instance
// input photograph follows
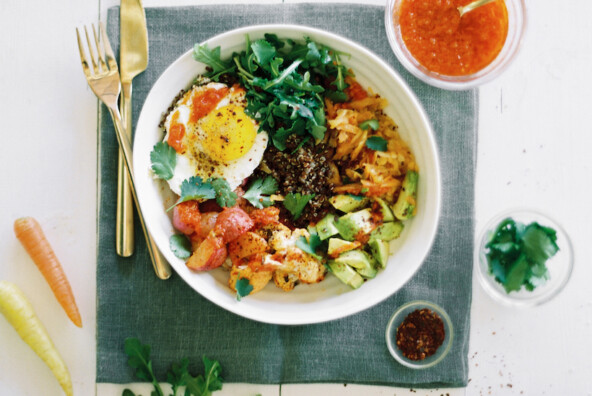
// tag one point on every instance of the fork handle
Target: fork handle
(124, 222)
(161, 266)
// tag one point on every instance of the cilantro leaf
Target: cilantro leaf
(257, 191)
(369, 124)
(311, 245)
(295, 203)
(376, 143)
(180, 246)
(195, 188)
(243, 288)
(224, 195)
(264, 51)
(211, 57)
(164, 159)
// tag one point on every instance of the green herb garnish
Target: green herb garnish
(177, 376)
(369, 124)
(311, 245)
(282, 79)
(517, 254)
(243, 288)
(164, 159)
(195, 188)
(258, 191)
(295, 203)
(180, 246)
(376, 143)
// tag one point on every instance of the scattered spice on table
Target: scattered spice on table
(420, 334)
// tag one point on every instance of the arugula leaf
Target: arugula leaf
(243, 288)
(257, 191)
(139, 359)
(211, 57)
(180, 246)
(177, 376)
(295, 203)
(311, 245)
(376, 143)
(225, 197)
(164, 159)
(369, 124)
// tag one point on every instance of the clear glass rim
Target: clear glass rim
(457, 83)
(394, 351)
(487, 281)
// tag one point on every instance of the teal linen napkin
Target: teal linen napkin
(178, 322)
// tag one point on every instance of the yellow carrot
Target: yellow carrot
(17, 309)
(29, 232)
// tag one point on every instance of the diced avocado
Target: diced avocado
(346, 274)
(337, 246)
(387, 231)
(360, 260)
(404, 208)
(380, 251)
(355, 223)
(326, 227)
(348, 203)
(387, 213)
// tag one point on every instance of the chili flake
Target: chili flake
(420, 334)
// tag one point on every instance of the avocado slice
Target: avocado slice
(346, 274)
(380, 251)
(354, 223)
(339, 245)
(387, 231)
(348, 203)
(387, 213)
(360, 260)
(404, 208)
(326, 227)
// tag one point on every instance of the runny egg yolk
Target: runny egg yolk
(230, 134)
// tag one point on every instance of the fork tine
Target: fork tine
(100, 51)
(83, 60)
(92, 53)
(107, 46)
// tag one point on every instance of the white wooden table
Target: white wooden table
(535, 138)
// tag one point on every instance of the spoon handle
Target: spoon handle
(471, 6)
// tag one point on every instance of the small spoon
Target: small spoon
(471, 6)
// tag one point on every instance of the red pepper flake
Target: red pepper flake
(420, 334)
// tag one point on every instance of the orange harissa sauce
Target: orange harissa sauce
(443, 42)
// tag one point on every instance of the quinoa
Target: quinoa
(304, 170)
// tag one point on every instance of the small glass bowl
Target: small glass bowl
(516, 27)
(396, 320)
(560, 265)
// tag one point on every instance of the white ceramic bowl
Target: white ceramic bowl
(329, 299)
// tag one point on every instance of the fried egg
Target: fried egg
(213, 137)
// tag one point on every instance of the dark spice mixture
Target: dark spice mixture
(420, 334)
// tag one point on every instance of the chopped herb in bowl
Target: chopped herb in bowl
(523, 258)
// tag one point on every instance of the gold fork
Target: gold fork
(102, 76)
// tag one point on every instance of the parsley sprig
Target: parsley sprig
(286, 82)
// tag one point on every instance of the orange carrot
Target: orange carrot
(29, 232)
